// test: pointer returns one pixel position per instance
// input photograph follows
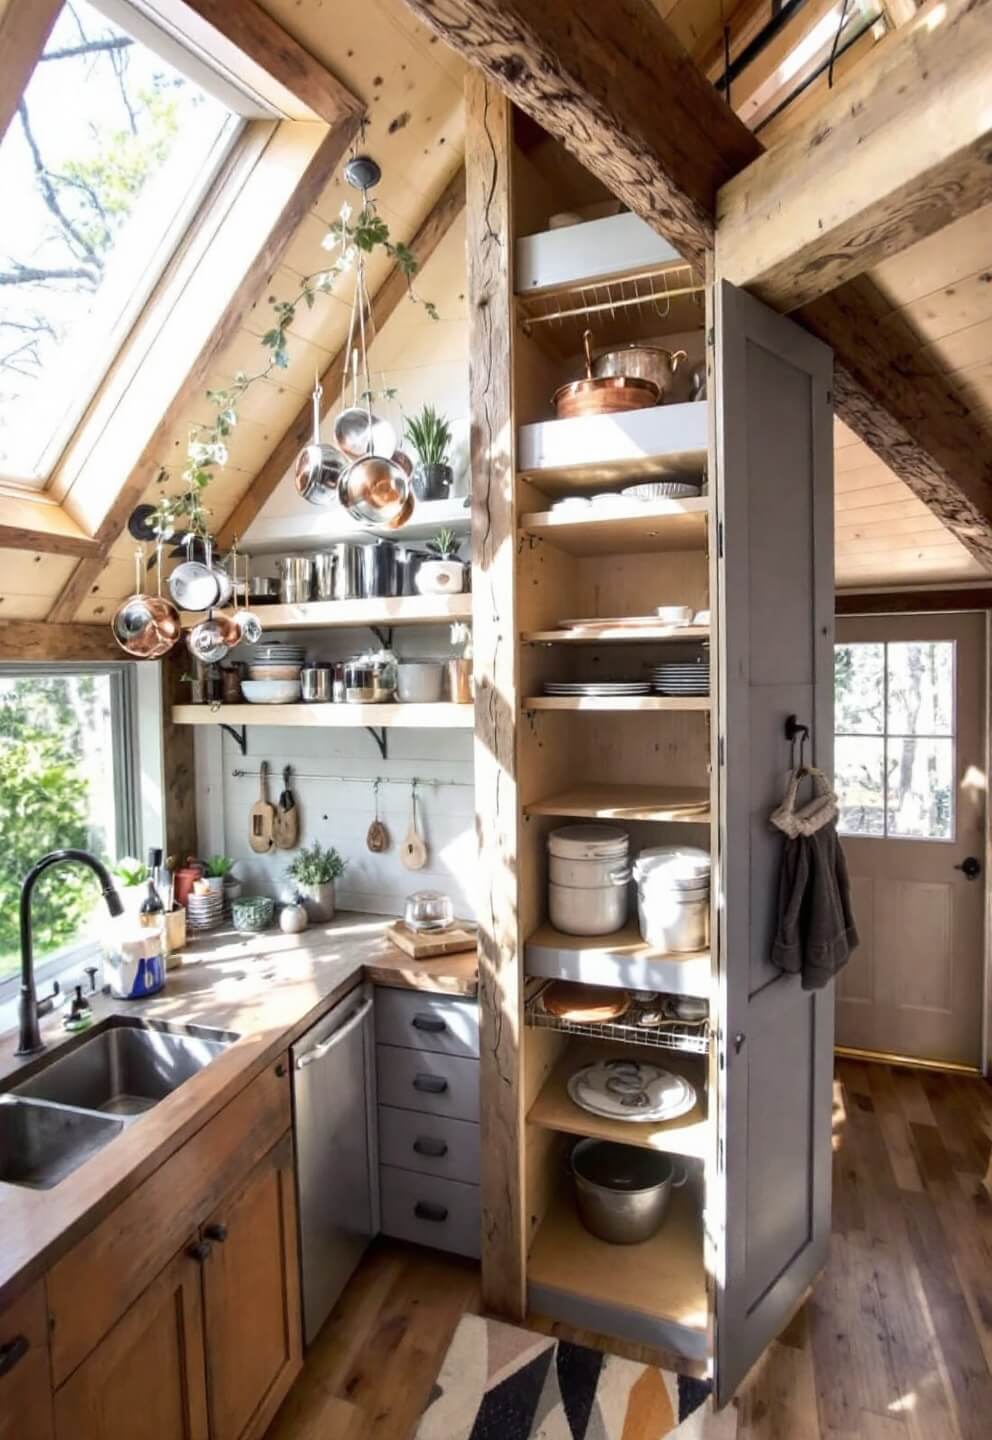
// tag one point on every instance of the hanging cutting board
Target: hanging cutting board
(286, 831)
(413, 851)
(429, 944)
(262, 816)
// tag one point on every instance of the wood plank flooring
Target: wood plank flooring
(895, 1342)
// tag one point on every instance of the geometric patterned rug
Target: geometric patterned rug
(499, 1382)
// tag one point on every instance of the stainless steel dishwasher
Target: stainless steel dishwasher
(336, 1155)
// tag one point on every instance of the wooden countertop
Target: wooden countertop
(270, 989)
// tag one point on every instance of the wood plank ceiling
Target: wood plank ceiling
(412, 85)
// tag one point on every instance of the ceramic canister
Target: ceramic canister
(135, 966)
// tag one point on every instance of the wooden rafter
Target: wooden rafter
(579, 76)
(25, 26)
(388, 296)
(35, 640)
(897, 151)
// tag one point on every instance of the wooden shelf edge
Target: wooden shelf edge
(627, 514)
(354, 614)
(627, 802)
(633, 705)
(633, 635)
(439, 716)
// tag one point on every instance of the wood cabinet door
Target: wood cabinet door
(25, 1386)
(769, 1204)
(251, 1296)
(146, 1378)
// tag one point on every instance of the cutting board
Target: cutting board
(429, 944)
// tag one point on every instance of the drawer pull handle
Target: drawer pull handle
(424, 1145)
(200, 1251)
(13, 1351)
(425, 1210)
(430, 1023)
(216, 1232)
(431, 1084)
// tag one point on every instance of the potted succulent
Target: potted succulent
(443, 573)
(132, 878)
(216, 871)
(430, 435)
(313, 872)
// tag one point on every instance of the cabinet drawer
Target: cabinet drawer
(434, 1084)
(429, 1144)
(92, 1286)
(427, 1022)
(431, 1211)
(25, 1390)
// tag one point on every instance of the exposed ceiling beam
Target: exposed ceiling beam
(30, 522)
(36, 640)
(897, 151)
(615, 87)
(25, 26)
(580, 75)
(393, 289)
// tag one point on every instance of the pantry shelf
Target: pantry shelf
(671, 803)
(621, 702)
(336, 614)
(622, 959)
(617, 635)
(441, 716)
(627, 527)
(554, 1109)
(588, 452)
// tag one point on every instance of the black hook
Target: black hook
(795, 731)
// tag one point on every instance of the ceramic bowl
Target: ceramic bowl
(274, 672)
(271, 692)
(252, 913)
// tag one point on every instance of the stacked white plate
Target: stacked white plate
(205, 912)
(663, 490)
(605, 689)
(276, 662)
(627, 1090)
(689, 677)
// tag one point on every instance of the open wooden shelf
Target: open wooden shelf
(555, 1110)
(618, 635)
(619, 702)
(384, 610)
(565, 457)
(683, 804)
(663, 1277)
(443, 716)
(626, 528)
(622, 959)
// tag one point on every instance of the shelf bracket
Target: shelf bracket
(384, 635)
(240, 737)
(381, 738)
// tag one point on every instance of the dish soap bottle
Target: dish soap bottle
(152, 913)
(80, 1016)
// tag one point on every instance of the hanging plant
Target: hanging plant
(207, 450)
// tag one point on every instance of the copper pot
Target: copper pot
(603, 395)
(642, 362)
(146, 626)
(377, 491)
(212, 638)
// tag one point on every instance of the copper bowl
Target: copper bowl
(146, 626)
(604, 396)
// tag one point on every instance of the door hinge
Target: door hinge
(719, 539)
(720, 751)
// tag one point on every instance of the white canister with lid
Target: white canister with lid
(589, 875)
(673, 897)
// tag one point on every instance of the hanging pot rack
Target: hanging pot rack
(646, 291)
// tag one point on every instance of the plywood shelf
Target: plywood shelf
(683, 804)
(663, 1278)
(408, 717)
(618, 635)
(584, 454)
(555, 1110)
(622, 959)
(628, 527)
(336, 614)
(629, 703)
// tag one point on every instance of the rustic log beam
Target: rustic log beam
(25, 26)
(37, 640)
(897, 151)
(390, 293)
(33, 522)
(914, 602)
(612, 83)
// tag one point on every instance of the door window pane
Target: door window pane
(920, 788)
(860, 784)
(57, 789)
(920, 678)
(859, 689)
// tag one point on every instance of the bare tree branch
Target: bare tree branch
(49, 194)
(89, 47)
(40, 275)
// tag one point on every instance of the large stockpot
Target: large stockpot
(641, 362)
(602, 394)
(338, 572)
(673, 897)
(623, 1191)
(380, 573)
(295, 578)
(588, 879)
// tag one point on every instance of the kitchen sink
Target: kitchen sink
(42, 1144)
(83, 1094)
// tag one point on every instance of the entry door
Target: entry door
(768, 1211)
(911, 772)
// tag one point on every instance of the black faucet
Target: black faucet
(30, 1036)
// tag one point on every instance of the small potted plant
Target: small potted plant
(216, 871)
(458, 670)
(313, 872)
(132, 878)
(430, 435)
(444, 573)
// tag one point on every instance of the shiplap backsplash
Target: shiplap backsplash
(339, 812)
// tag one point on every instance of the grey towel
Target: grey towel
(815, 933)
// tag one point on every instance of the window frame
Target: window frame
(127, 785)
(885, 736)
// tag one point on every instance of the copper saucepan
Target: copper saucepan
(602, 395)
(642, 362)
(146, 626)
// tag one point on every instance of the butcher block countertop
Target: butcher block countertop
(269, 989)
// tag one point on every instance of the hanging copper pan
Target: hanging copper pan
(605, 395)
(146, 626)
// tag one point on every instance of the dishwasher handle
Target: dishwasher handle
(319, 1051)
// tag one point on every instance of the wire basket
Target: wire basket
(691, 1038)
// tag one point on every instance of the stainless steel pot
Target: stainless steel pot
(295, 578)
(641, 362)
(623, 1191)
(338, 572)
(259, 589)
(198, 584)
(317, 684)
(319, 466)
(380, 574)
(359, 683)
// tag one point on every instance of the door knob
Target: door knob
(971, 867)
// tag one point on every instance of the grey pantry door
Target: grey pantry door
(768, 1212)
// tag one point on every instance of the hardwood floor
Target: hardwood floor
(895, 1343)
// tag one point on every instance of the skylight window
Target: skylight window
(101, 170)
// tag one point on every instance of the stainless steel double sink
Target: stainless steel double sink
(79, 1097)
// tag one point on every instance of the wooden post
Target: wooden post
(488, 244)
